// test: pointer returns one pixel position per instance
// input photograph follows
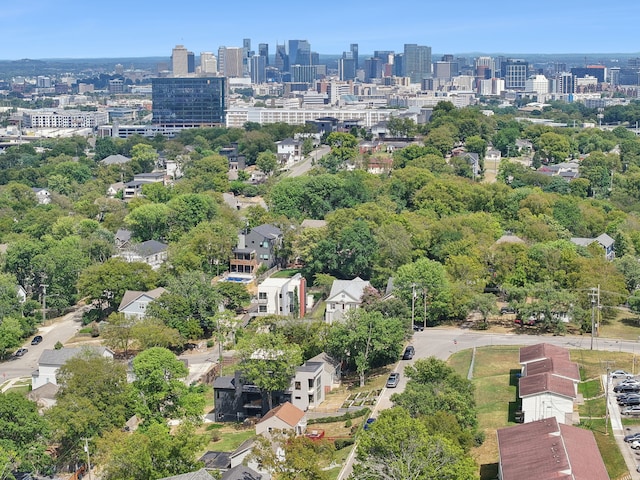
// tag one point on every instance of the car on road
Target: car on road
(632, 410)
(409, 352)
(417, 328)
(36, 340)
(368, 423)
(632, 437)
(393, 380)
(20, 352)
(620, 373)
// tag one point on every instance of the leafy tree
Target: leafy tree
(161, 392)
(267, 162)
(116, 334)
(366, 340)
(188, 210)
(399, 447)
(143, 157)
(233, 294)
(105, 146)
(295, 458)
(553, 146)
(148, 454)
(150, 332)
(188, 305)
(268, 361)
(343, 145)
(106, 283)
(476, 144)
(149, 222)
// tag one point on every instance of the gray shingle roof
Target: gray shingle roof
(150, 247)
(354, 288)
(268, 231)
(60, 357)
(241, 473)
(201, 474)
(115, 160)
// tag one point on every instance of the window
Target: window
(262, 295)
(297, 385)
(262, 308)
(310, 383)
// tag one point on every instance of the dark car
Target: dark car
(626, 389)
(631, 437)
(631, 400)
(409, 352)
(417, 328)
(20, 352)
(507, 311)
(368, 423)
(36, 340)
(393, 380)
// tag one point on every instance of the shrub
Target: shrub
(342, 418)
(58, 345)
(341, 443)
(348, 423)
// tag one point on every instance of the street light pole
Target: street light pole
(44, 303)
(413, 303)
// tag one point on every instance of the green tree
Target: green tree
(268, 361)
(267, 162)
(150, 332)
(365, 340)
(143, 157)
(149, 221)
(106, 283)
(149, 454)
(343, 145)
(553, 146)
(399, 447)
(161, 392)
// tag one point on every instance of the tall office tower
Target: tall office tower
(315, 58)
(353, 48)
(417, 62)
(299, 52)
(347, 67)
(263, 51)
(282, 59)
(484, 65)
(372, 69)
(230, 61)
(180, 61)
(189, 102)
(515, 73)
(247, 53)
(446, 70)
(565, 83)
(398, 64)
(303, 73)
(191, 62)
(258, 69)
(538, 84)
(208, 63)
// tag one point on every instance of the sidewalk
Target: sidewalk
(618, 431)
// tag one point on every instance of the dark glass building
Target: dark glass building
(189, 102)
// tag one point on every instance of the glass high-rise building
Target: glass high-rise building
(189, 102)
(263, 51)
(299, 52)
(282, 59)
(417, 62)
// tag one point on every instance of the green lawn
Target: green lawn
(608, 447)
(230, 440)
(460, 362)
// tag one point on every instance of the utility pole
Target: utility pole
(608, 364)
(86, 449)
(413, 303)
(424, 298)
(44, 303)
(594, 293)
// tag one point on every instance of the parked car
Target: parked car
(368, 423)
(409, 352)
(626, 389)
(627, 396)
(507, 311)
(635, 445)
(20, 352)
(632, 437)
(417, 328)
(628, 381)
(621, 373)
(393, 380)
(627, 401)
(36, 340)
(633, 410)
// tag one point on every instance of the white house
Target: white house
(285, 418)
(283, 296)
(42, 195)
(313, 380)
(289, 151)
(151, 252)
(345, 295)
(134, 304)
(545, 396)
(51, 360)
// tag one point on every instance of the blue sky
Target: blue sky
(135, 28)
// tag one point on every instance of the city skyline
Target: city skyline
(72, 29)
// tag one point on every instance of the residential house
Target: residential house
(21, 294)
(242, 472)
(115, 188)
(236, 161)
(285, 418)
(257, 247)
(547, 450)
(201, 474)
(283, 296)
(565, 170)
(44, 396)
(604, 240)
(235, 399)
(123, 238)
(313, 380)
(289, 151)
(134, 188)
(114, 160)
(51, 360)
(151, 252)
(345, 295)
(134, 304)
(379, 165)
(43, 196)
(548, 386)
(493, 157)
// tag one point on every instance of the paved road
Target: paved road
(57, 330)
(301, 168)
(443, 342)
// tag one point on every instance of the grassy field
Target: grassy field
(609, 450)
(460, 362)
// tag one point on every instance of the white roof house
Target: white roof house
(51, 360)
(344, 296)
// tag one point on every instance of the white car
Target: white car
(635, 445)
(621, 373)
(632, 410)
